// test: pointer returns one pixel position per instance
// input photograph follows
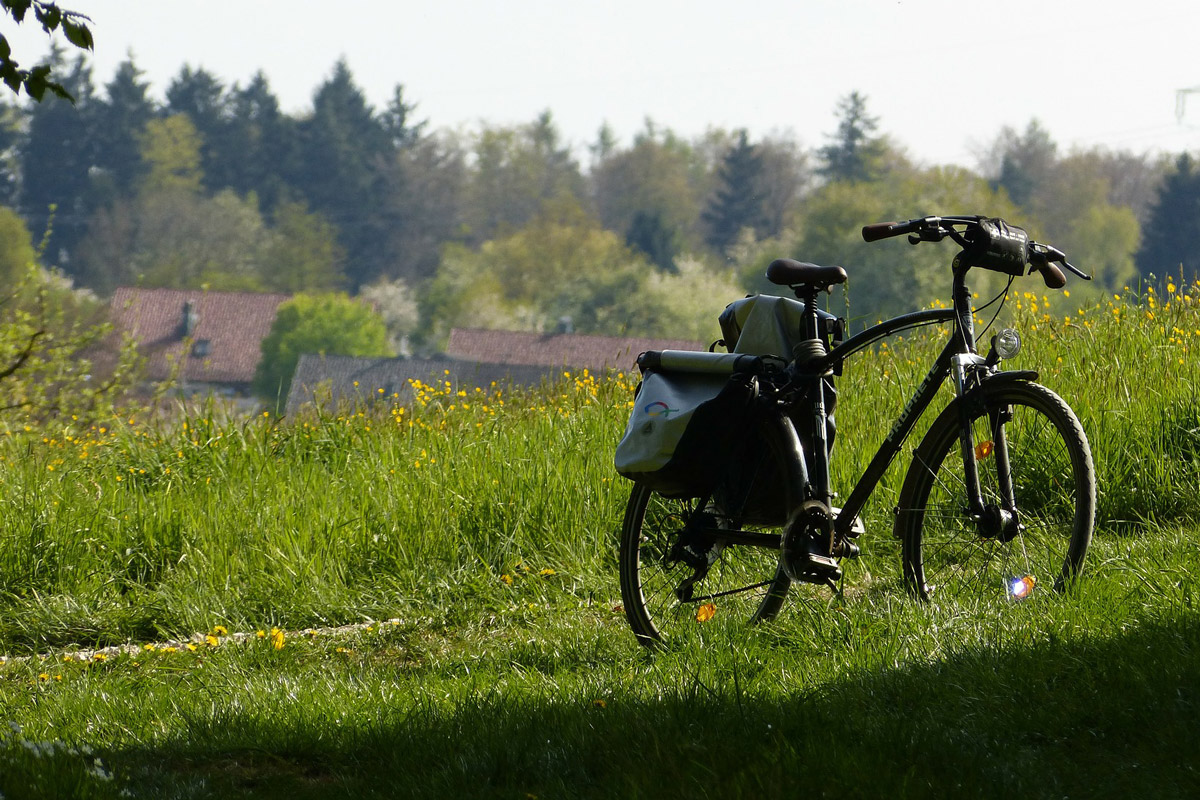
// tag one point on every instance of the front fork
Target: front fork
(994, 521)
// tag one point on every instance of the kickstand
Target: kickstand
(836, 586)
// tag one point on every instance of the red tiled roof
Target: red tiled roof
(572, 350)
(232, 323)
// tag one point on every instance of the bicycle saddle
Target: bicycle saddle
(786, 272)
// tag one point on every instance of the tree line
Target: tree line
(511, 226)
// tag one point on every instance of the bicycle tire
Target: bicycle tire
(742, 582)
(946, 552)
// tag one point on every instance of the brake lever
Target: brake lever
(1043, 256)
(1074, 269)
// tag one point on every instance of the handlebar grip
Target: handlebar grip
(1053, 276)
(882, 230)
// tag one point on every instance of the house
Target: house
(562, 350)
(473, 358)
(353, 379)
(209, 341)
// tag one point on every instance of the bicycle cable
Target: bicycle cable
(1002, 296)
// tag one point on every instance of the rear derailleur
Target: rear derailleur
(697, 549)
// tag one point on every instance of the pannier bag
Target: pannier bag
(764, 324)
(690, 419)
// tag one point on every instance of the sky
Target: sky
(942, 78)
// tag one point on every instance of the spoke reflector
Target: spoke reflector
(983, 450)
(1020, 588)
(706, 612)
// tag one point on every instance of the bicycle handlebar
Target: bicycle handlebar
(988, 243)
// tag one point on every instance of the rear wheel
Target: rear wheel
(1030, 538)
(678, 570)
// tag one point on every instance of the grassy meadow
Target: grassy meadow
(422, 601)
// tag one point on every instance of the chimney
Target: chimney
(190, 318)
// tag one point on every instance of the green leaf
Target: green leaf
(78, 35)
(5, 48)
(49, 16)
(35, 87)
(11, 76)
(18, 8)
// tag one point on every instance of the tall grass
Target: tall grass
(483, 522)
(140, 530)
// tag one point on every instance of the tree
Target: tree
(650, 235)
(57, 154)
(303, 254)
(328, 324)
(738, 201)
(854, 152)
(1171, 240)
(343, 146)
(200, 96)
(423, 200)
(119, 120)
(37, 81)
(259, 143)
(49, 334)
(16, 248)
(1071, 208)
(517, 171)
(647, 192)
(171, 149)
(1025, 161)
(173, 238)
(890, 277)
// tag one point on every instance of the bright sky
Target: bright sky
(941, 77)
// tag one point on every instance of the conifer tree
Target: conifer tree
(855, 153)
(1171, 239)
(738, 201)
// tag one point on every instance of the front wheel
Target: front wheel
(1038, 491)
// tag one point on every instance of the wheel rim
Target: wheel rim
(952, 554)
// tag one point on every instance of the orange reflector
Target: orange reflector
(983, 450)
(706, 612)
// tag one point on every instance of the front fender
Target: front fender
(989, 383)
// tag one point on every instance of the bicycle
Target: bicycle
(998, 500)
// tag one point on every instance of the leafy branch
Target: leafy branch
(36, 81)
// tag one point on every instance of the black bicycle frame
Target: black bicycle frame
(962, 341)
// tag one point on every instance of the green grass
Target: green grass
(487, 532)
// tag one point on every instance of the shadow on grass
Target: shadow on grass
(1086, 718)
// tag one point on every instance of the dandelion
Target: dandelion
(547, 572)
(43, 677)
(277, 638)
(506, 579)
(220, 630)
(598, 703)
(212, 641)
(191, 647)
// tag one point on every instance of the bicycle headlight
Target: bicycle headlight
(1008, 343)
